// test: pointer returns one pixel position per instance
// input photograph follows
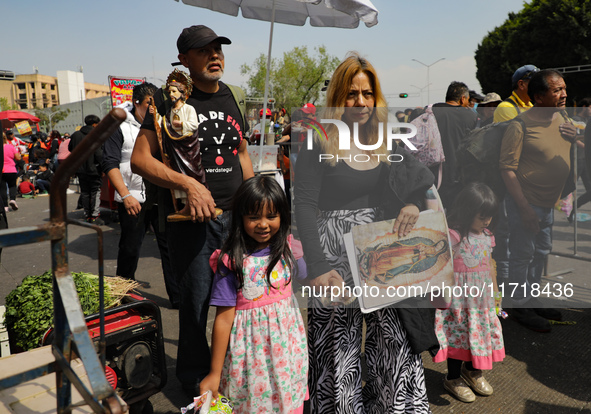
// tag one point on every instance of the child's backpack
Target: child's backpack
(428, 141)
(478, 156)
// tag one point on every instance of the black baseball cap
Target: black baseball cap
(197, 36)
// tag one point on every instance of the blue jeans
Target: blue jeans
(527, 250)
(42, 185)
(190, 246)
(501, 249)
(90, 194)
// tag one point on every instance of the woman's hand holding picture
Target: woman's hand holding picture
(406, 220)
(328, 280)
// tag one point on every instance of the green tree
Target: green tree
(295, 79)
(545, 33)
(4, 106)
(51, 116)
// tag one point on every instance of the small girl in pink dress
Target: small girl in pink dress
(259, 347)
(469, 331)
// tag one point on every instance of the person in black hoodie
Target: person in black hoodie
(89, 174)
(55, 138)
(454, 120)
(44, 177)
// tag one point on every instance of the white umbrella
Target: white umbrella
(322, 13)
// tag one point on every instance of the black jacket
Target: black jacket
(46, 175)
(409, 182)
(92, 166)
(417, 315)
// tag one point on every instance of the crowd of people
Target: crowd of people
(230, 243)
(29, 165)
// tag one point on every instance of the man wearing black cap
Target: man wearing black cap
(475, 99)
(226, 163)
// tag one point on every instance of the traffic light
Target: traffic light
(403, 95)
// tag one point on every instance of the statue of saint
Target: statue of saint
(179, 135)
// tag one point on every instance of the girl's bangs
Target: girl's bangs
(489, 207)
(255, 205)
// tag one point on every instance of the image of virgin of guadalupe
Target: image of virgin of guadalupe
(180, 139)
(383, 263)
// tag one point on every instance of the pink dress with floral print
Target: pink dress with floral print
(469, 330)
(266, 365)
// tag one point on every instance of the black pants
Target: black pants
(8, 179)
(448, 193)
(3, 223)
(191, 246)
(130, 244)
(90, 194)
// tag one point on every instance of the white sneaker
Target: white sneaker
(13, 204)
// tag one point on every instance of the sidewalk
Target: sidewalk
(542, 373)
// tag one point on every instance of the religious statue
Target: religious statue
(178, 136)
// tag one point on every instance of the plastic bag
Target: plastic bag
(565, 204)
(204, 405)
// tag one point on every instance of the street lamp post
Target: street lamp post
(428, 66)
(103, 106)
(50, 115)
(421, 91)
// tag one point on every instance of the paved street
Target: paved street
(542, 373)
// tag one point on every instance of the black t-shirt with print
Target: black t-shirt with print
(220, 134)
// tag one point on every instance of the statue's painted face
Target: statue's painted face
(175, 93)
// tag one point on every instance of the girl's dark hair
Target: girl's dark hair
(252, 195)
(40, 153)
(474, 199)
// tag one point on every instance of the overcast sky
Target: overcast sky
(138, 38)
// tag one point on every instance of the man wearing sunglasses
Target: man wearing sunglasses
(519, 100)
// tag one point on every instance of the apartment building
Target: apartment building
(28, 92)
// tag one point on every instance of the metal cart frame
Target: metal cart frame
(71, 334)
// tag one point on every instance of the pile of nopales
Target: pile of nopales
(29, 307)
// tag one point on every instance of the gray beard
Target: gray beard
(212, 77)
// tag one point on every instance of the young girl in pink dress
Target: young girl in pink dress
(469, 331)
(259, 349)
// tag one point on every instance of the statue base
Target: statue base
(176, 217)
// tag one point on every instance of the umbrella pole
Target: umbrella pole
(266, 94)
